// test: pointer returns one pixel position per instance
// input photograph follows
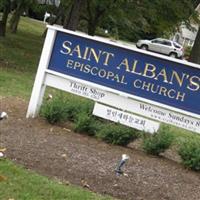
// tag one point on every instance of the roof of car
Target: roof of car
(164, 39)
(169, 41)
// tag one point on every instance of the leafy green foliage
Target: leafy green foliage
(54, 110)
(117, 134)
(187, 52)
(62, 108)
(190, 154)
(1, 5)
(72, 107)
(75, 106)
(65, 107)
(85, 123)
(37, 11)
(131, 20)
(159, 142)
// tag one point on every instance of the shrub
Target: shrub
(159, 142)
(62, 108)
(75, 106)
(187, 52)
(54, 110)
(72, 108)
(37, 11)
(117, 134)
(87, 106)
(85, 123)
(190, 154)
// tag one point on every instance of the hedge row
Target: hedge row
(61, 109)
(79, 111)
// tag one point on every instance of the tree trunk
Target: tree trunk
(195, 54)
(71, 21)
(2, 29)
(91, 28)
(94, 18)
(15, 22)
(3, 21)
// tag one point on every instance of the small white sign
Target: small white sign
(125, 118)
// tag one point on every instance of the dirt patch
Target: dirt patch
(59, 153)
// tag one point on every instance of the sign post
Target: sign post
(39, 86)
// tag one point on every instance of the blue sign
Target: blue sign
(147, 76)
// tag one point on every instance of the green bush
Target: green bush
(54, 110)
(117, 134)
(37, 11)
(85, 123)
(74, 107)
(159, 142)
(187, 52)
(190, 154)
(62, 108)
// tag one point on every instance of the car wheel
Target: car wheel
(144, 47)
(173, 55)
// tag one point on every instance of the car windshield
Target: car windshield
(159, 41)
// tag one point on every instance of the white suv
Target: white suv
(162, 46)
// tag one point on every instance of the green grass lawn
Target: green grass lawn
(20, 184)
(19, 58)
(14, 83)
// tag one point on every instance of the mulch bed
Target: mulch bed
(73, 158)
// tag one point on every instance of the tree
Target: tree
(72, 20)
(21, 7)
(134, 19)
(163, 17)
(195, 54)
(6, 9)
(96, 11)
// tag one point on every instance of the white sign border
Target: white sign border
(43, 72)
